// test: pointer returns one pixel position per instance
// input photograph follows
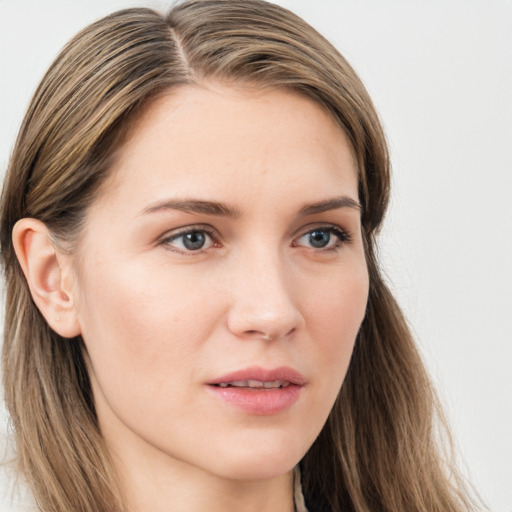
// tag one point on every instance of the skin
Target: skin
(160, 321)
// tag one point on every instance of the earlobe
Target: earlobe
(44, 271)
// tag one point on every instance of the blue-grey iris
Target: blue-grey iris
(194, 240)
(319, 239)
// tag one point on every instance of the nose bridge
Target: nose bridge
(262, 296)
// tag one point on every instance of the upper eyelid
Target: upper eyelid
(177, 232)
(322, 225)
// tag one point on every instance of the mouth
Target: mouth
(258, 377)
(255, 384)
(258, 391)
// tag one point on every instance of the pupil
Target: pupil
(194, 241)
(319, 238)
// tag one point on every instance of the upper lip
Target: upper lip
(283, 373)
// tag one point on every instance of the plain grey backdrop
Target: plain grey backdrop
(440, 73)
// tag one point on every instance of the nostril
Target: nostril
(268, 336)
(263, 335)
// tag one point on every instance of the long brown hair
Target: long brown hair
(379, 450)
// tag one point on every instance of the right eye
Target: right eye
(190, 240)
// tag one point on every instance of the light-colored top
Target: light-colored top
(300, 505)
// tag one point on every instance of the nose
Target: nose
(264, 299)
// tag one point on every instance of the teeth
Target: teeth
(255, 384)
(240, 383)
(276, 384)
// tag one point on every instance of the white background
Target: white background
(440, 73)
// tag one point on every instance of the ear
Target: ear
(48, 273)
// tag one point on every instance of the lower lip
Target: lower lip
(258, 401)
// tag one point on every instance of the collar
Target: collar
(300, 504)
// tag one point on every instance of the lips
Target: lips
(259, 391)
(256, 384)
(254, 375)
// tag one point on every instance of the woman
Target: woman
(195, 315)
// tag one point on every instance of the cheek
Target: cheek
(335, 317)
(141, 327)
(340, 307)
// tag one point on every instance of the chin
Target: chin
(252, 471)
(259, 461)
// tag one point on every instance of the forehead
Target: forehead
(209, 136)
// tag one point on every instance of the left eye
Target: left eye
(322, 238)
(190, 241)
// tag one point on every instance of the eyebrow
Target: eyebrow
(225, 210)
(195, 206)
(329, 204)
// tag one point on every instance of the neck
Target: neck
(184, 489)
(153, 481)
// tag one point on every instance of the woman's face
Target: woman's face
(221, 282)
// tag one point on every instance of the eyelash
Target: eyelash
(341, 235)
(167, 239)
